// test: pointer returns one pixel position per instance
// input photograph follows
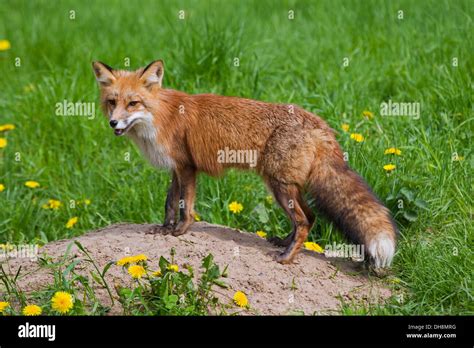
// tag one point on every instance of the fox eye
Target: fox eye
(111, 102)
(133, 103)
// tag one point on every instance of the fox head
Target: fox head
(126, 95)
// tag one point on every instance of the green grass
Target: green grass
(293, 61)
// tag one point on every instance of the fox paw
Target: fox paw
(181, 228)
(283, 258)
(379, 272)
(160, 229)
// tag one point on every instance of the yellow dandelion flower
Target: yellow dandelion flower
(52, 204)
(345, 127)
(313, 247)
(261, 234)
(236, 207)
(7, 246)
(156, 273)
(197, 217)
(3, 306)
(29, 88)
(138, 258)
(71, 222)
(132, 259)
(173, 268)
(240, 299)
(87, 201)
(357, 137)
(124, 261)
(32, 184)
(5, 45)
(2, 187)
(3, 143)
(389, 167)
(269, 199)
(7, 127)
(62, 302)
(31, 310)
(367, 114)
(392, 151)
(136, 271)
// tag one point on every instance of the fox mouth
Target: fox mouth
(121, 131)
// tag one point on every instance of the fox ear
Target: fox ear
(103, 73)
(153, 73)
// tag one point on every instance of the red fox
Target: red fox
(295, 152)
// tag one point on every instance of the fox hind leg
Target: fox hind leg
(283, 242)
(291, 201)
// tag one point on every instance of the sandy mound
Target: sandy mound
(313, 285)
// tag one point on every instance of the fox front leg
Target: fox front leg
(187, 183)
(171, 205)
(171, 208)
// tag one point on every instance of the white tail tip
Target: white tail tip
(382, 249)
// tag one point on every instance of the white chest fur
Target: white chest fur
(146, 136)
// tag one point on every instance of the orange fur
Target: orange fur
(296, 151)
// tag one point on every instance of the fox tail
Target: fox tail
(344, 197)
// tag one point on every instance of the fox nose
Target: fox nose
(113, 123)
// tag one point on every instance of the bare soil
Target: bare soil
(313, 284)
